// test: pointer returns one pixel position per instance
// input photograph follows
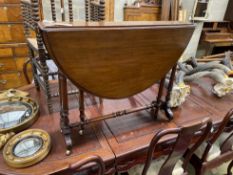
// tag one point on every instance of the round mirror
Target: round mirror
(27, 148)
(17, 113)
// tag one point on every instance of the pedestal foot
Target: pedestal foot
(69, 144)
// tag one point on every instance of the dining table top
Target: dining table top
(121, 142)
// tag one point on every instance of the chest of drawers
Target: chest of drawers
(13, 47)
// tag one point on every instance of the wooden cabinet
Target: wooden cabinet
(13, 47)
(143, 13)
(11, 33)
(10, 13)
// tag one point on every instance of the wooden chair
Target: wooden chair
(32, 13)
(93, 164)
(38, 56)
(95, 10)
(217, 150)
(172, 164)
(230, 168)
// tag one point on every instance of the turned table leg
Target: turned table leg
(64, 121)
(82, 111)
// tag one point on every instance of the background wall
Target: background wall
(78, 9)
(217, 9)
(119, 9)
(216, 12)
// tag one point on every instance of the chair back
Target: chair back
(88, 163)
(95, 10)
(185, 135)
(227, 144)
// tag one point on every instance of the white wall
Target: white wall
(119, 9)
(191, 49)
(78, 9)
(216, 12)
(217, 9)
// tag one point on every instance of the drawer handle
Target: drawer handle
(3, 81)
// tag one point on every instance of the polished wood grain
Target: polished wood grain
(121, 142)
(92, 143)
(130, 136)
(116, 60)
(183, 141)
(11, 33)
(143, 13)
(10, 13)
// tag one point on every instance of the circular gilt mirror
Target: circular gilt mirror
(17, 113)
(27, 148)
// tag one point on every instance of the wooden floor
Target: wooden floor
(121, 142)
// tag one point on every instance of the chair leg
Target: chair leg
(197, 164)
(230, 168)
(46, 83)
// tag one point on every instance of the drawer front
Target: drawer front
(21, 51)
(9, 1)
(20, 63)
(11, 33)
(7, 64)
(13, 80)
(10, 80)
(6, 52)
(10, 13)
(13, 50)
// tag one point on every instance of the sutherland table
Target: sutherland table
(121, 142)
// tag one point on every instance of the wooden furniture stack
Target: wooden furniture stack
(142, 12)
(13, 49)
(216, 34)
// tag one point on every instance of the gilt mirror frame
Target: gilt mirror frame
(34, 107)
(39, 153)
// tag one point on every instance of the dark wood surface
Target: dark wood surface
(133, 134)
(120, 142)
(93, 141)
(116, 60)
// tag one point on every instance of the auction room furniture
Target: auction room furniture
(230, 168)
(13, 47)
(121, 142)
(109, 69)
(216, 34)
(91, 143)
(142, 12)
(152, 11)
(217, 149)
(32, 13)
(173, 163)
(96, 160)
